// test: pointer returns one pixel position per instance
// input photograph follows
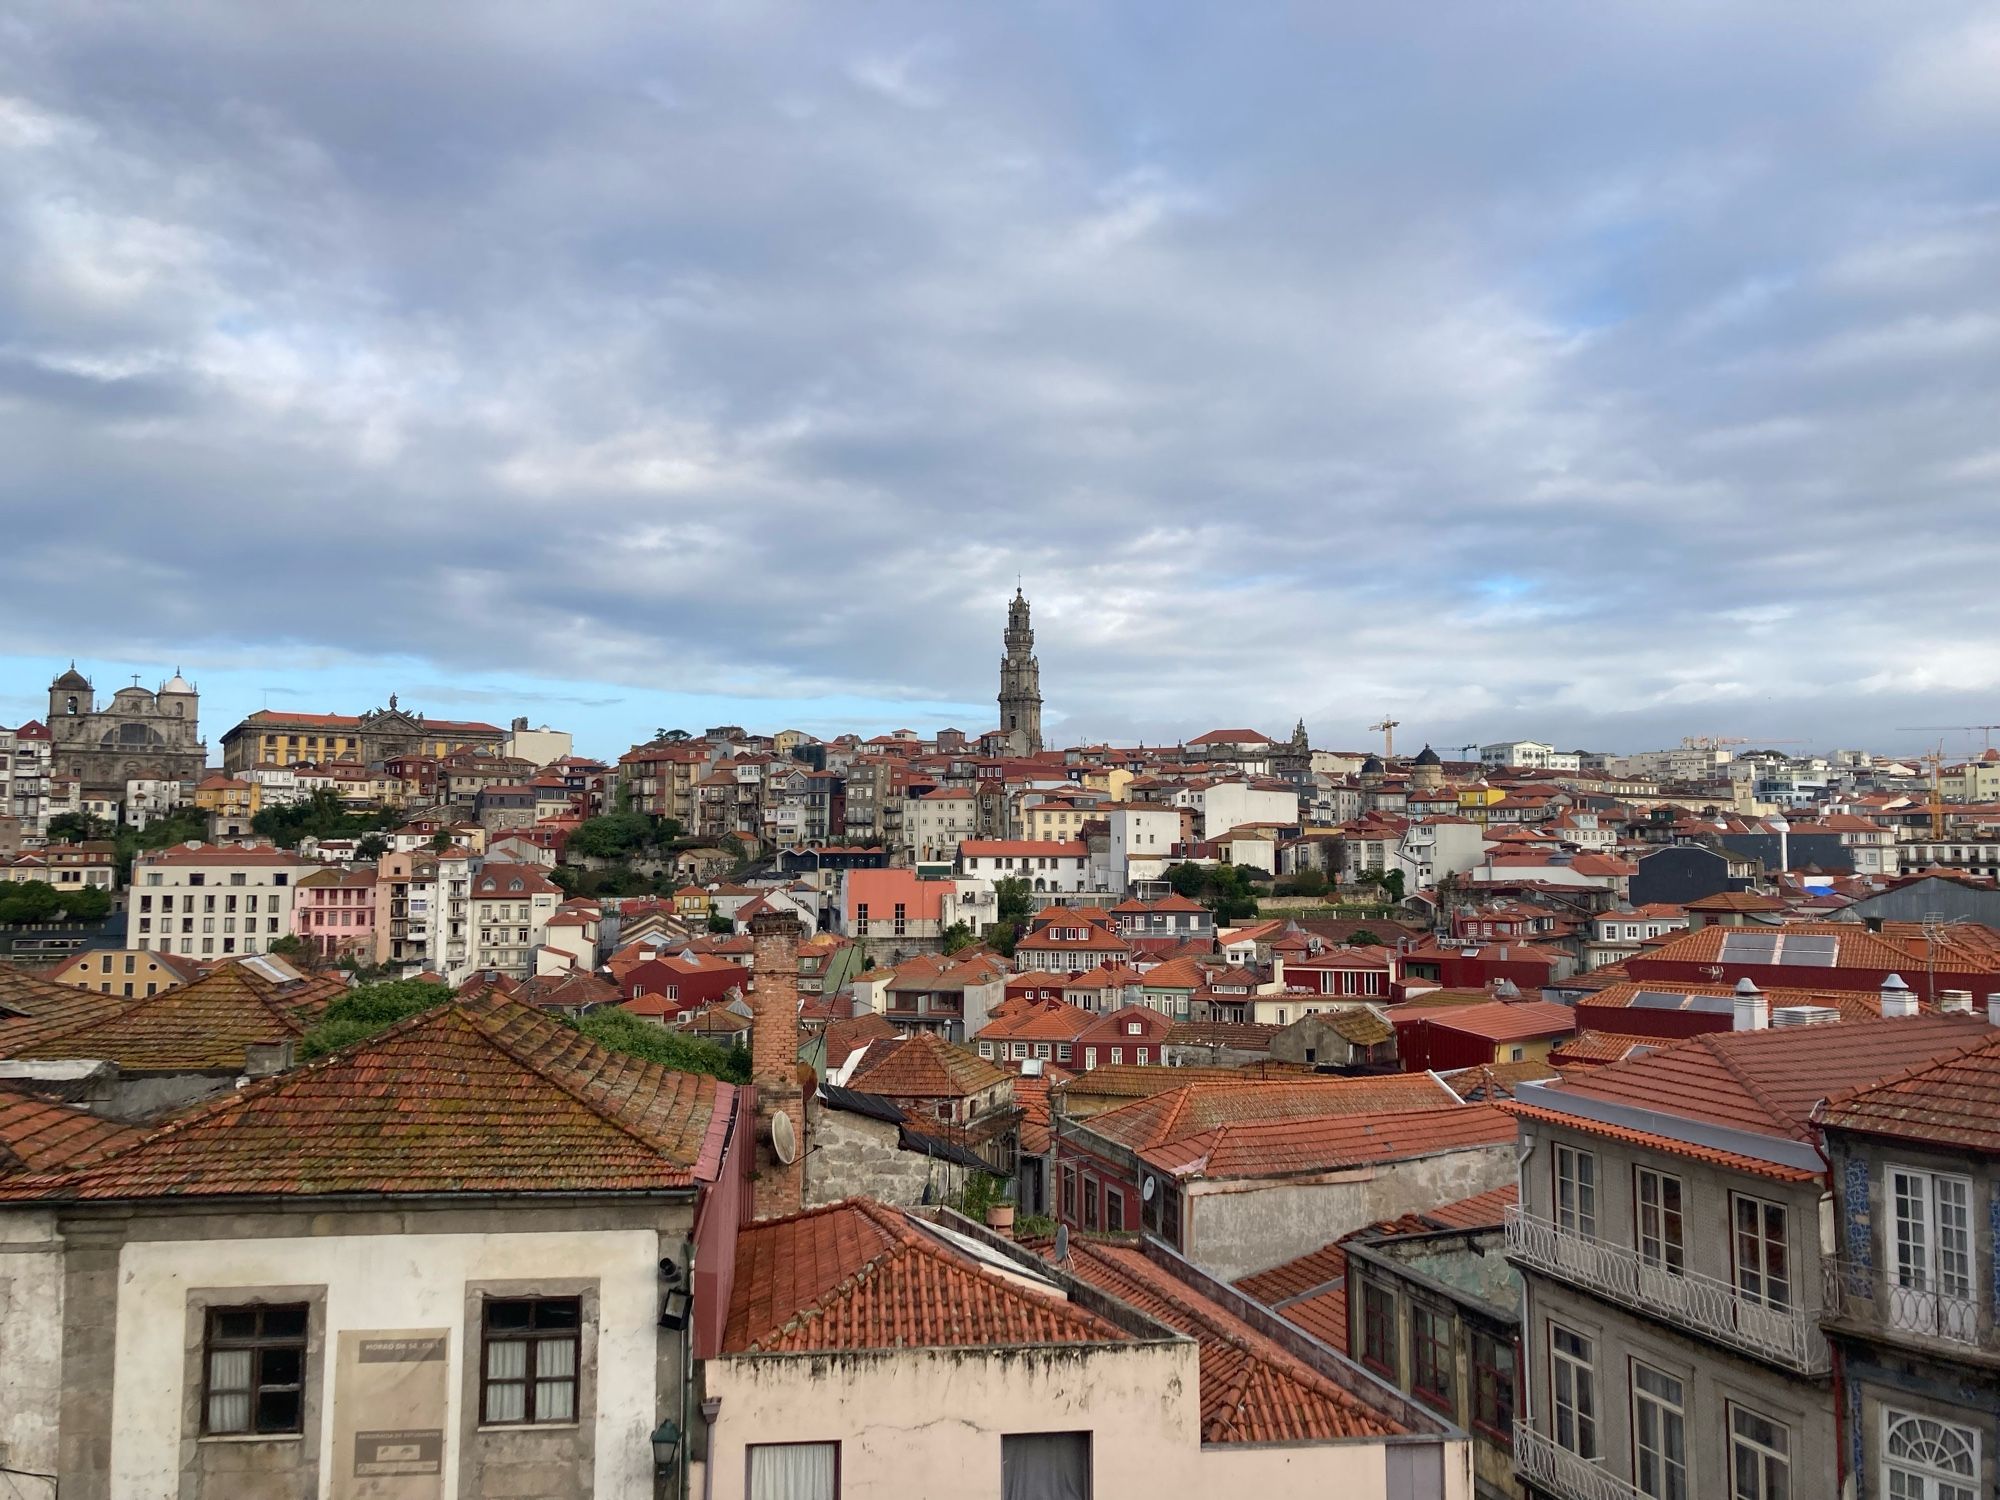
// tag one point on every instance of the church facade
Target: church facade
(138, 735)
(1020, 683)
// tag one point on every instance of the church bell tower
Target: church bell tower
(1021, 681)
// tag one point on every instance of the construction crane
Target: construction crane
(1935, 760)
(1986, 729)
(1387, 728)
(1711, 741)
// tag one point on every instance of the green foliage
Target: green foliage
(87, 903)
(1188, 879)
(441, 841)
(957, 937)
(614, 1027)
(373, 846)
(1363, 938)
(77, 828)
(364, 1011)
(1392, 885)
(37, 901)
(615, 835)
(1304, 883)
(321, 815)
(1016, 900)
(718, 923)
(1223, 889)
(981, 1191)
(1034, 1227)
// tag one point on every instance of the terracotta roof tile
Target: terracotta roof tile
(861, 1275)
(1295, 1278)
(1496, 1021)
(471, 1096)
(1714, 1156)
(33, 1008)
(1252, 1389)
(925, 1066)
(1954, 1100)
(202, 1026)
(1200, 1106)
(1273, 1148)
(39, 1136)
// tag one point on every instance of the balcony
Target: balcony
(1868, 1300)
(1558, 1471)
(1787, 1336)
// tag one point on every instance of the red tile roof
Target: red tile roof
(33, 1008)
(1191, 1108)
(1275, 1148)
(273, 719)
(202, 1026)
(1953, 1101)
(39, 1136)
(1040, 1020)
(1252, 1389)
(924, 1066)
(862, 1275)
(1496, 1021)
(1591, 1047)
(469, 1097)
(1294, 1278)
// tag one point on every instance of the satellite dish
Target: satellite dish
(784, 1140)
(1149, 1187)
(1062, 1242)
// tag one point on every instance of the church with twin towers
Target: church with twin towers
(1020, 682)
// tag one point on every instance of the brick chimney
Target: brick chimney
(774, 1060)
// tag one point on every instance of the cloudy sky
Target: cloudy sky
(1598, 373)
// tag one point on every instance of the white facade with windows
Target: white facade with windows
(208, 901)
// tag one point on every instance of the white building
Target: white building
(1224, 805)
(150, 797)
(214, 900)
(539, 747)
(1047, 865)
(510, 910)
(1437, 847)
(936, 823)
(1141, 831)
(1531, 754)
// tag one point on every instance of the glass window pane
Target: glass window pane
(228, 1369)
(555, 1401)
(229, 1413)
(282, 1365)
(278, 1411)
(235, 1323)
(285, 1322)
(559, 1312)
(506, 1359)
(509, 1314)
(555, 1357)
(506, 1403)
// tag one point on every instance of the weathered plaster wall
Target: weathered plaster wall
(31, 1317)
(1240, 1228)
(386, 1282)
(857, 1156)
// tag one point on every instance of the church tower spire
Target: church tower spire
(1021, 681)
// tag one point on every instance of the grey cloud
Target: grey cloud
(756, 349)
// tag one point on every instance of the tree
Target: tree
(616, 835)
(958, 936)
(1308, 882)
(28, 901)
(363, 1011)
(617, 1028)
(718, 923)
(372, 846)
(441, 841)
(1392, 885)
(1361, 937)
(1188, 879)
(87, 903)
(670, 736)
(77, 828)
(1016, 900)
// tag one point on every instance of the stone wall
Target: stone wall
(857, 1156)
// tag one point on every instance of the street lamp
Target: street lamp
(666, 1445)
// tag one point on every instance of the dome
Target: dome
(1372, 766)
(71, 679)
(1428, 757)
(177, 684)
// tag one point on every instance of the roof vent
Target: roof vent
(1804, 1015)
(1955, 1002)
(1898, 999)
(1752, 1011)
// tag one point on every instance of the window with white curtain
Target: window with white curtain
(528, 1359)
(1045, 1466)
(254, 1369)
(794, 1471)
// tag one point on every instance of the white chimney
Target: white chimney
(1898, 999)
(1993, 1009)
(1955, 1002)
(1753, 1010)
(1278, 970)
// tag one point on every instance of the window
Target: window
(1924, 1459)
(1659, 1434)
(794, 1471)
(1089, 1202)
(1662, 1242)
(1045, 1466)
(1763, 1269)
(1932, 1253)
(1378, 1328)
(1114, 1209)
(1430, 1355)
(1576, 1191)
(1493, 1386)
(1760, 1464)
(528, 1360)
(254, 1361)
(1574, 1381)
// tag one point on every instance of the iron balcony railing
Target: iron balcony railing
(1539, 1460)
(1787, 1336)
(1916, 1305)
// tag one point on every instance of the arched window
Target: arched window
(1924, 1459)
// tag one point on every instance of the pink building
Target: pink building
(335, 912)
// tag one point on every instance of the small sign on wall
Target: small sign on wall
(390, 1398)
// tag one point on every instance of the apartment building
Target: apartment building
(510, 907)
(1911, 1294)
(1668, 1237)
(214, 900)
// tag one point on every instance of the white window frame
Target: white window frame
(1930, 1252)
(1751, 1256)
(1766, 1456)
(1575, 1181)
(1926, 1477)
(1573, 1392)
(1660, 1230)
(1659, 1433)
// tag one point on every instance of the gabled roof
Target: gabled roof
(202, 1026)
(862, 1275)
(1040, 1020)
(1953, 1101)
(1273, 1148)
(39, 1136)
(1195, 1107)
(925, 1066)
(1495, 1021)
(1253, 1390)
(1768, 1082)
(473, 1096)
(33, 1008)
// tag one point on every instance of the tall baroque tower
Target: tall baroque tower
(1021, 681)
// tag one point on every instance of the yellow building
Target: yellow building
(229, 796)
(129, 973)
(1110, 780)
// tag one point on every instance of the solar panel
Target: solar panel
(1657, 1000)
(1749, 948)
(1817, 949)
(1713, 1005)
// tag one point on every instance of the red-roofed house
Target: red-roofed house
(1473, 1036)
